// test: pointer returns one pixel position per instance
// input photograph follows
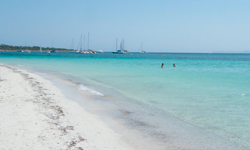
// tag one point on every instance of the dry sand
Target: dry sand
(34, 114)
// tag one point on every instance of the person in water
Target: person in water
(162, 65)
(174, 65)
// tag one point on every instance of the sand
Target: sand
(34, 114)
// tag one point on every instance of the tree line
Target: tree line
(31, 48)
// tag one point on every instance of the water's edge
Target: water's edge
(132, 119)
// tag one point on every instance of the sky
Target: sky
(160, 25)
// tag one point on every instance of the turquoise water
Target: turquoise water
(208, 91)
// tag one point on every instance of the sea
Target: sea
(202, 103)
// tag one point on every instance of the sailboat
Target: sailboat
(41, 49)
(24, 50)
(142, 51)
(80, 49)
(88, 51)
(52, 50)
(98, 51)
(121, 50)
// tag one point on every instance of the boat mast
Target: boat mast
(123, 44)
(84, 42)
(88, 40)
(116, 45)
(81, 43)
(141, 46)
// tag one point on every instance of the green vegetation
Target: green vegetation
(33, 48)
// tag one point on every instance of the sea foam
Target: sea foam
(84, 88)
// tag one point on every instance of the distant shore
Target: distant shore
(35, 114)
(5, 47)
(37, 50)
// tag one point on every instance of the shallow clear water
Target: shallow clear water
(208, 91)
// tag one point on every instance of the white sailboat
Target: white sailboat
(41, 49)
(79, 51)
(98, 51)
(88, 51)
(142, 51)
(72, 45)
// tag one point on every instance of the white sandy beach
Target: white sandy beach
(34, 114)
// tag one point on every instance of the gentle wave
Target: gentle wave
(84, 88)
(23, 66)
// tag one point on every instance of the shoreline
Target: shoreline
(125, 130)
(35, 114)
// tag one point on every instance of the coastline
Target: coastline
(35, 114)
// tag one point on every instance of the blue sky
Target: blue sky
(162, 25)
